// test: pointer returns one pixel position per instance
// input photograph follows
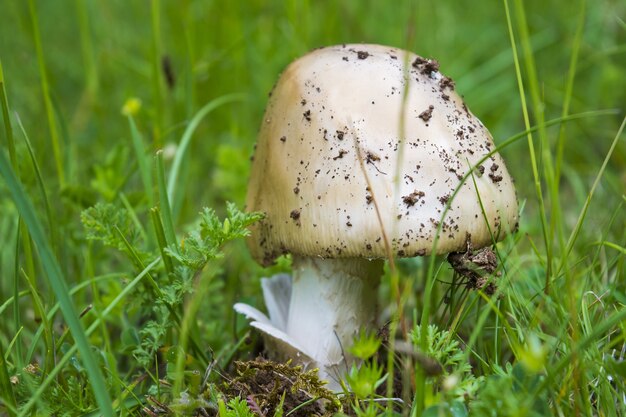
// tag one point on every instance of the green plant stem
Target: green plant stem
(187, 324)
(144, 161)
(155, 215)
(52, 224)
(164, 202)
(24, 410)
(8, 130)
(45, 87)
(583, 212)
(58, 284)
(41, 312)
(174, 189)
(531, 146)
(430, 276)
(157, 82)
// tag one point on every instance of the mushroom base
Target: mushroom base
(331, 301)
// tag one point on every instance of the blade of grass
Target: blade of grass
(599, 330)
(164, 202)
(58, 285)
(9, 302)
(4, 102)
(86, 48)
(569, 88)
(52, 311)
(6, 388)
(583, 212)
(144, 161)
(611, 245)
(557, 224)
(155, 215)
(25, 409)
(157, 82)
(52, 224)
(172, 189)
(157, 291)
(8, 130)
(108, 350)
(189, 319)
(54, 134)
(430, 281)
(133, 215)
(531, 146)
(40, 310)
(17, 318)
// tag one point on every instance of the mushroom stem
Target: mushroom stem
(331, 300)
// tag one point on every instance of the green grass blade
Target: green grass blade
(599, 330)
(583, 212)
(133, 215)
(9, 302)
(58, 285)
(189, 318)
(155, 215)
(430, 275)
(17, 317)
(6, 390)
(40, 310)
(612, 245)
(569, 88)
(531, 146)
(144, 161)
(173, 191)
(87, 49)
(8, 130)
(44, 195)
(52, 311)
(25, 409)
(157, 83)
(43, 74)
(10, 141)
(164, 202)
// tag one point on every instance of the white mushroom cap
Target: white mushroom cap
(332, 142)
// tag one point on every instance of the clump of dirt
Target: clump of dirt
(266, 384)
(477, 266)
(426, 66)
(427, 114)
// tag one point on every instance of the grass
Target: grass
(95, 220)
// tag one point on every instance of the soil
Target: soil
(265, 384)
(427, 114)
(477, 266)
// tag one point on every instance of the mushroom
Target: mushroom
(360, 152)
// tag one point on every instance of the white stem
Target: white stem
(331, 300)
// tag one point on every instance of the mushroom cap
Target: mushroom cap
(366, 143)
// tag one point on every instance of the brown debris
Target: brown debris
(494, 177)
(264, 384)
(412, 198)
(477, 266)
(341, 154)
(426, 66)
(446, 82)
(427, 114)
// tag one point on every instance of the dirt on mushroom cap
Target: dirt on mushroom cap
(342, 108)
